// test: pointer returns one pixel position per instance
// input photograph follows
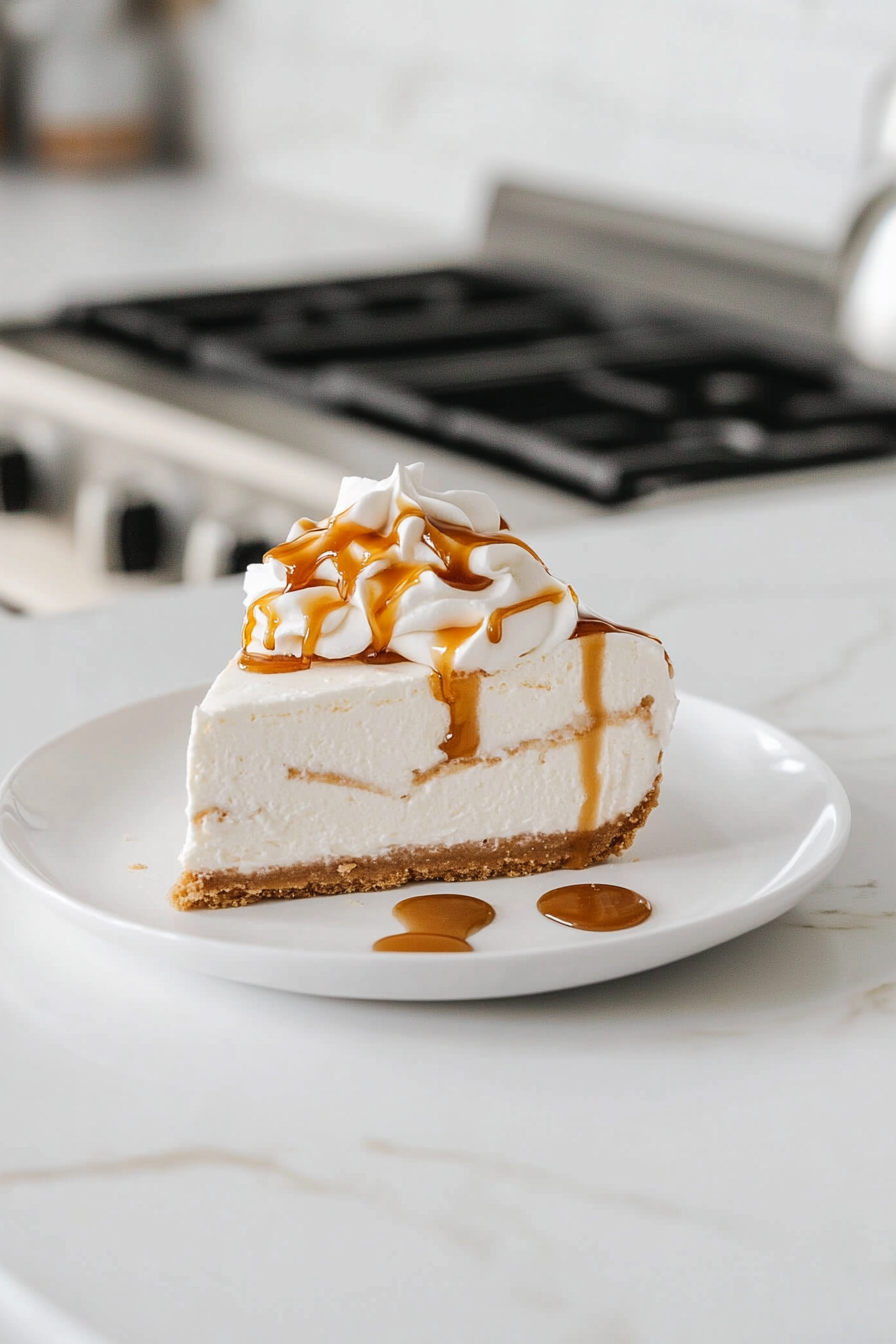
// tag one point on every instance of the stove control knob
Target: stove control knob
(247, 551)
(35, 464)
(119, 529)
(137, 536)
(215, 548)
(17, 483)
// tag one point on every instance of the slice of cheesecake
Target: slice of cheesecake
(336, 778)
(310, 775)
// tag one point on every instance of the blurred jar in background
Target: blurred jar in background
(3, 135)
(4, 92)
(89, 85)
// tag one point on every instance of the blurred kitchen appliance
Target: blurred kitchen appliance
(590, 356)
(88, 77)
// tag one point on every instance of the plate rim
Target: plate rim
(766, 905)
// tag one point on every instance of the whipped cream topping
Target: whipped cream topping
(433, 578)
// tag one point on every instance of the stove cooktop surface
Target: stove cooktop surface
(537, 376)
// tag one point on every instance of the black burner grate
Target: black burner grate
(532, 376)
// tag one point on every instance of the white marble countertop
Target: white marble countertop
(67, 238)
(702, 1153)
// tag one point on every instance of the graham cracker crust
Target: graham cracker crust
(473, 862)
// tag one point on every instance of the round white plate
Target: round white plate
(749, 820)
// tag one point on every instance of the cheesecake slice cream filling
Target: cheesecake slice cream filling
(336, 778)
(417, 698)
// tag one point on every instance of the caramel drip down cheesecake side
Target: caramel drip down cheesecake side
(417, 699)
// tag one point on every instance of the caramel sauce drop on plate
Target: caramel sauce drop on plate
(437, 923)
(595, 906)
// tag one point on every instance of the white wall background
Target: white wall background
(756, 110)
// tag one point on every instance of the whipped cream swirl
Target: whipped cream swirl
(434, 578)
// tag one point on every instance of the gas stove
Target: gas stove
(590, 358)
(540, 378)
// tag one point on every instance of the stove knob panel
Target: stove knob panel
(17, 483)
(245, 552)
(119, 529)
(35, 464)
(138, 536)
(215, 548)
(209, 542)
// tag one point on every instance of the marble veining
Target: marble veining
(701, 1153)
(170, 1162)
(520, 1174)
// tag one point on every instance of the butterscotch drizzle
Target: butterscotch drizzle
(351, 548)
(266, 607)
(594, 630)
(590, 743)
(495, 625)
(290, 662)
(593, 625)
(437, 923)
(271, 662)
(459, 691)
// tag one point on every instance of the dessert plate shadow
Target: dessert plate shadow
(749, 820)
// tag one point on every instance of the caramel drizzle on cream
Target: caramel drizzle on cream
(593, 625)
(561, 738)
(495, 625)
(591, 742)
(351, 548)
(332, 777)
(460, 692)
(594, 630)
